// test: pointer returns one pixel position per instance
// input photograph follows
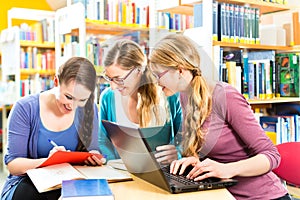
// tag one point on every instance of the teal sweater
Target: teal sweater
(108, 112)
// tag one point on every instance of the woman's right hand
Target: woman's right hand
(182, 164)
(55, 149)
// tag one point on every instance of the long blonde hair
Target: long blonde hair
(179, 52)
(128, 55)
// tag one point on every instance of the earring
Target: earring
(180, 73)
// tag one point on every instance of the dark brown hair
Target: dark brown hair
(83, 72)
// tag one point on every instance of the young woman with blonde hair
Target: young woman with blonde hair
(133, 99)
(221, 136)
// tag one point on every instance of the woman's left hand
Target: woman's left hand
(210, 168)
(96, 159)
(165, 154)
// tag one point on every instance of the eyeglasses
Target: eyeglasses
(119, 81)
(158, 76)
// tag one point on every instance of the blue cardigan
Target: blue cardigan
(108, 112)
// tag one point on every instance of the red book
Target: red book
(72, 157)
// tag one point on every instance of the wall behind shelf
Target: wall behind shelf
(6, 5)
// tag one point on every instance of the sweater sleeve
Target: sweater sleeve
(176, 112)
(176, 115)
(241, 118)
(107, 105)
(94, 142)
(18, 131)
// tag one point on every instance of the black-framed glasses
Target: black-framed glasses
(119, 81)
(159, 75)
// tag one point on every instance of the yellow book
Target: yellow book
(272, 136)
(231, 71)
(38, 31)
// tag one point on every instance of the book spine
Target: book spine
(251, 84)
(257, 20)
(245, 77)
(231, 69)
(215, 21)
(198, 15)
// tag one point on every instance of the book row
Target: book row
(36, 84)
(262, 74)
(234, 23)
(174, 22)
(34, 58)
(123, 12)
(281, 129)
(40, 31)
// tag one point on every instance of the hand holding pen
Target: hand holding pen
(55, 147)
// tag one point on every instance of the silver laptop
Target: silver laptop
(139, 160)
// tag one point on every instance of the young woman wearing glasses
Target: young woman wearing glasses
(221, 136)
(135, 100)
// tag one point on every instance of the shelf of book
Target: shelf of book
(253, 46)
(86, 37)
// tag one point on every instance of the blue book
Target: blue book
(86, 189)
(272, 125)
(198, 15)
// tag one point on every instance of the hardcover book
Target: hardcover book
(73, 157)
(86, 189)
(289, 74)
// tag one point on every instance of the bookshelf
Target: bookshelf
(210, 49)
(80, 31)
(27, 57)
(32, 44)
(74, 20)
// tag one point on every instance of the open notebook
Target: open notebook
(50, 177)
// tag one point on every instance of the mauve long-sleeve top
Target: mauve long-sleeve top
(234, 134)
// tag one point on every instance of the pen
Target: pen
(53, 143)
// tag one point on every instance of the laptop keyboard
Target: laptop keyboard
(183, 179)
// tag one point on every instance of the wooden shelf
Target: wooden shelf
(274, 100)
(265, 7)
(110, 28)
(182, 9)
(46, 45)
(27, 72)
(8, 107)
(252, 46)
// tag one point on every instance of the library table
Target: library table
(140, 189)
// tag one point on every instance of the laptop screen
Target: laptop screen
(129, 143)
